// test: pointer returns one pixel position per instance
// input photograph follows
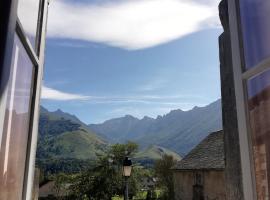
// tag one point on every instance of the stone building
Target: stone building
(200, 175)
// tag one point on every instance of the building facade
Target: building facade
(22, 42)
(199, 185)
(200, 175)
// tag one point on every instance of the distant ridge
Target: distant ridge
(64, 138)
(178, 130)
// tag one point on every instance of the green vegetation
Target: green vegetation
(68, 145)
(84, 167)
(104, 179)
(77, 144)
(154, 152)
(68, 166)
(165, 175)
(150, 155)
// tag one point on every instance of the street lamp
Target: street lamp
(127, 167)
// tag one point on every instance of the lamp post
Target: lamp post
(127, 167)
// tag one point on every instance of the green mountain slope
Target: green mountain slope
(148, 156)
(68, 145)
(154, 152)
(64, 136)
(77, 144)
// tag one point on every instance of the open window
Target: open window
(20, 96)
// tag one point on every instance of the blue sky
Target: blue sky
(103, 61)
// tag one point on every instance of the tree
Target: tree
(105, 180)
(118, 152)
(60, 185)
(165, 175)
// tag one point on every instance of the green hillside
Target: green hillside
(68, 145)
(155, 152)
(63, 136)
(148, 156)
(77, 144)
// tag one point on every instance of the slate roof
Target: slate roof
(207, 155)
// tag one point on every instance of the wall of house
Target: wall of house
(213, 183)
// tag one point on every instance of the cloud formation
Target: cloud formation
(52, 94)
(130, 24)
(169, 100)
(153, 85)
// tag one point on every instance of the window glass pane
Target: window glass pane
(16, 125)
(255, 15)
(28, 14)
(259, 110)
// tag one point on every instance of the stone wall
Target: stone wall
(213, 183)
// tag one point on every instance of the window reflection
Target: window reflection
(256, 30)
(16, 125)
(259, 109)
(28, 15)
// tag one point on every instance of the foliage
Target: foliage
(68, 166)
(61, 189)
(165, 175)
(118, 152)
(105, 180)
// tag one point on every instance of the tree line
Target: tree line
(103, 180)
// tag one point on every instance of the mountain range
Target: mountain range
(178, 130)
(62, 136)
(65, 140)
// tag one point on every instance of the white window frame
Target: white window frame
(240, 79)
(32, 141)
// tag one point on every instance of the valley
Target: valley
(63, 138)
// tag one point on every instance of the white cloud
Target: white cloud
(153, 85)
(168, 100)
(130, 24)
(70, 44)
(52, 94)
